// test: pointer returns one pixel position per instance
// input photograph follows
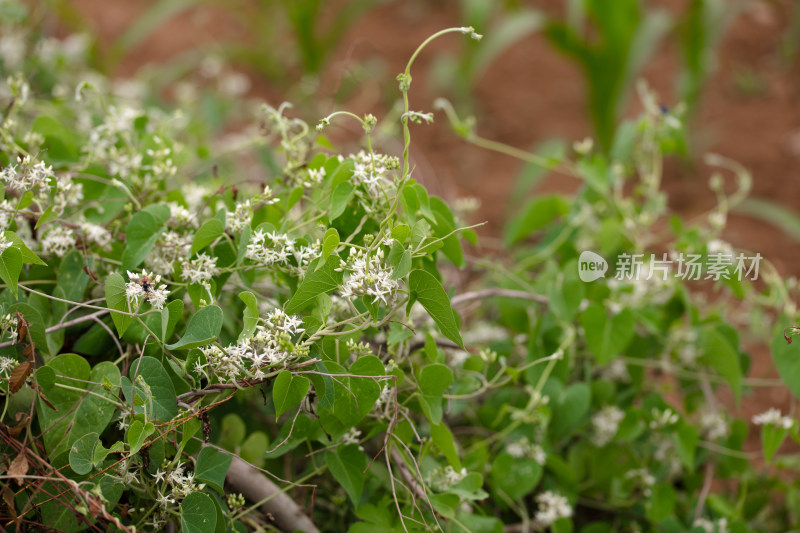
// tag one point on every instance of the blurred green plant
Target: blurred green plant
(505, 25)
(611, 53)
(700, 32)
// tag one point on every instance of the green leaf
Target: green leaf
(289, 390)
(244, 240)
(141, 235)
(340, 198)
(403, 266)
(116, 300)
(443, 438)
(198, 513)
(170, 316)
(233, 431)
(401, 232)
(347, 465)
(772, 437)
(254, 447)
(76, 413)
(722, 357)
(10, 268)
(316, 282)
(250, 317)
(27, 255)
(419, 232)
(329, 243)
(137, 434)
(571, 407)
(36, 326)
(163, 404)
(661, 504)
(434, 380)
(607, 336)
(787, 358)
(429, 292)
(517, 477)
(210, 231)
(212, 466)
(81, 454)
(203, 328)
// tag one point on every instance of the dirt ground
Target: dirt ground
(750, 110)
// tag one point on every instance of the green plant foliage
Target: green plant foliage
(310, 323)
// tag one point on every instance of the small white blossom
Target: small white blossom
(240, 217)
(96, 233)
(714, 425)
(201, 268)
(369, 277)
(552, 506)
(773, 417)
(606, 424)
(59, 240)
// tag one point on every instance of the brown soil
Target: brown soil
(532, 94)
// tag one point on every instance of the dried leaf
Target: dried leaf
(14, 431)
(90, 273)
(22, 327)
(44, 398)
(8, 497)
(18, 468)
(19, 375)
(29, 351)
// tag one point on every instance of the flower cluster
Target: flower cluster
(270, 345)
(606, 423)
(372, 172)
(9, 325)
(28, 176)
(7, 364)
(176, 484)
(368, 276)
(773, 417)
(169, 248)
(58, 240)
(201, 268)
(523, 448)
(145, 286)
(552, 506)
(445, 478)
(278, 249)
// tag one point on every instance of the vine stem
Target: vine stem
(65, 325)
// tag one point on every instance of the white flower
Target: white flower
(714, 425)
(617, 370)
(144, 285)
(240, 217)
(773, 417)
(552, 506)
(158, 297)
(59, 240)
(180, 216)
(201, 268)
(7, 364)
(606, 424)
(351, 437)
(28, 176)
(4, 243)
(369, 277)
(664, 418)
(164, 501)
(96, 234)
